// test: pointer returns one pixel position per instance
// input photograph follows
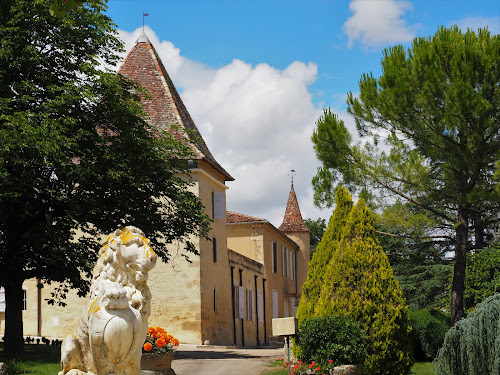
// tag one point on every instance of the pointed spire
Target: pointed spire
(292, 222)
(165, 107)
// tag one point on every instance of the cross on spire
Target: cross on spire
(144, 15)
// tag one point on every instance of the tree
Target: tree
(483, 275)
(77, 155)
(311, 289)
(317, 228)
(356, 280)
(419, 261)
(435, 110)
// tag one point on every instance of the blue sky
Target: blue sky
(247, 67)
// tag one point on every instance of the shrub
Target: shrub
(358, 282)
(472, 346)
(331, 337)
(429, 326)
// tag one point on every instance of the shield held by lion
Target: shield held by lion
(113, 326)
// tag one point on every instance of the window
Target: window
(275, 304)
(2, 300)
(274, 254)
(283, 261)
(241, 302)
(218, 207)
(287, 262)
(215, 299)
(214, 245)
(250, 304)
(292, 265)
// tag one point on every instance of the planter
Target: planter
(159, 363)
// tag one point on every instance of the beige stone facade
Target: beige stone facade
(248, 271)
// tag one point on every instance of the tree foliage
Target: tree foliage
(472, 346)
(311, 289)
(77, 158)
(419, 261)
(355, 279)
(429, 327)
(431, 136)
(317, 228)
(483, 275)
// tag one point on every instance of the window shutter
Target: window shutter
(241, 302)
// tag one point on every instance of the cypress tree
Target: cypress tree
(311, 289)
(357, 281)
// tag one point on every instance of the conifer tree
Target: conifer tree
(311, 288)
(357, 280)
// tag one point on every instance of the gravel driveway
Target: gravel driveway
(196, 360)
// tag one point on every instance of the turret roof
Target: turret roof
(292, 222)
(165, 107)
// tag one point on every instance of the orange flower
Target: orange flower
(175, 342)
(160, 343)
(151, 331)
(147, 346)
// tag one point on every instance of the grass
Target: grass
(422, 368)
(36, 359)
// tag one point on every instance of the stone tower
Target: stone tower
(295, 228)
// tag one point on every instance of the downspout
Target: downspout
(256, 310)
(242, 319)
(264, 294)
(234, 305)
(39, 306)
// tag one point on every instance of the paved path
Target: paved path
(196, 360)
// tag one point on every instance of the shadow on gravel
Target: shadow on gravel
(211, 354)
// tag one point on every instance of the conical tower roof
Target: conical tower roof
(165, 107)
(292, 222)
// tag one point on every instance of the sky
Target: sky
(256, 75)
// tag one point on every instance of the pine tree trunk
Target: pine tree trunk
(458, 285)
(14, 341)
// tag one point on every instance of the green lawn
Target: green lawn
(37, 359)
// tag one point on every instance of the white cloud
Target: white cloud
(475, 23)
(256, 120)
(378, 22)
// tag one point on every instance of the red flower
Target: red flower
(318, 368)
(330, 361)
(311, 365)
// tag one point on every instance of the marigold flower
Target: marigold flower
(147, 346)
(160, 343)
(175, 342)
(151, 331)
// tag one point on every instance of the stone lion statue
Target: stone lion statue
(113, 326)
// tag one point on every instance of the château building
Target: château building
(248, 271)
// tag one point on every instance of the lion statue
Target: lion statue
(113, 326)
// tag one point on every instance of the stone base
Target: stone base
(168, 371)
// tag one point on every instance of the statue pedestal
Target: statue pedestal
(157, 363)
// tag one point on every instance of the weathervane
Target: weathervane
(144, 15)
(292, 173)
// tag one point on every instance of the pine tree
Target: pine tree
(357, 280)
